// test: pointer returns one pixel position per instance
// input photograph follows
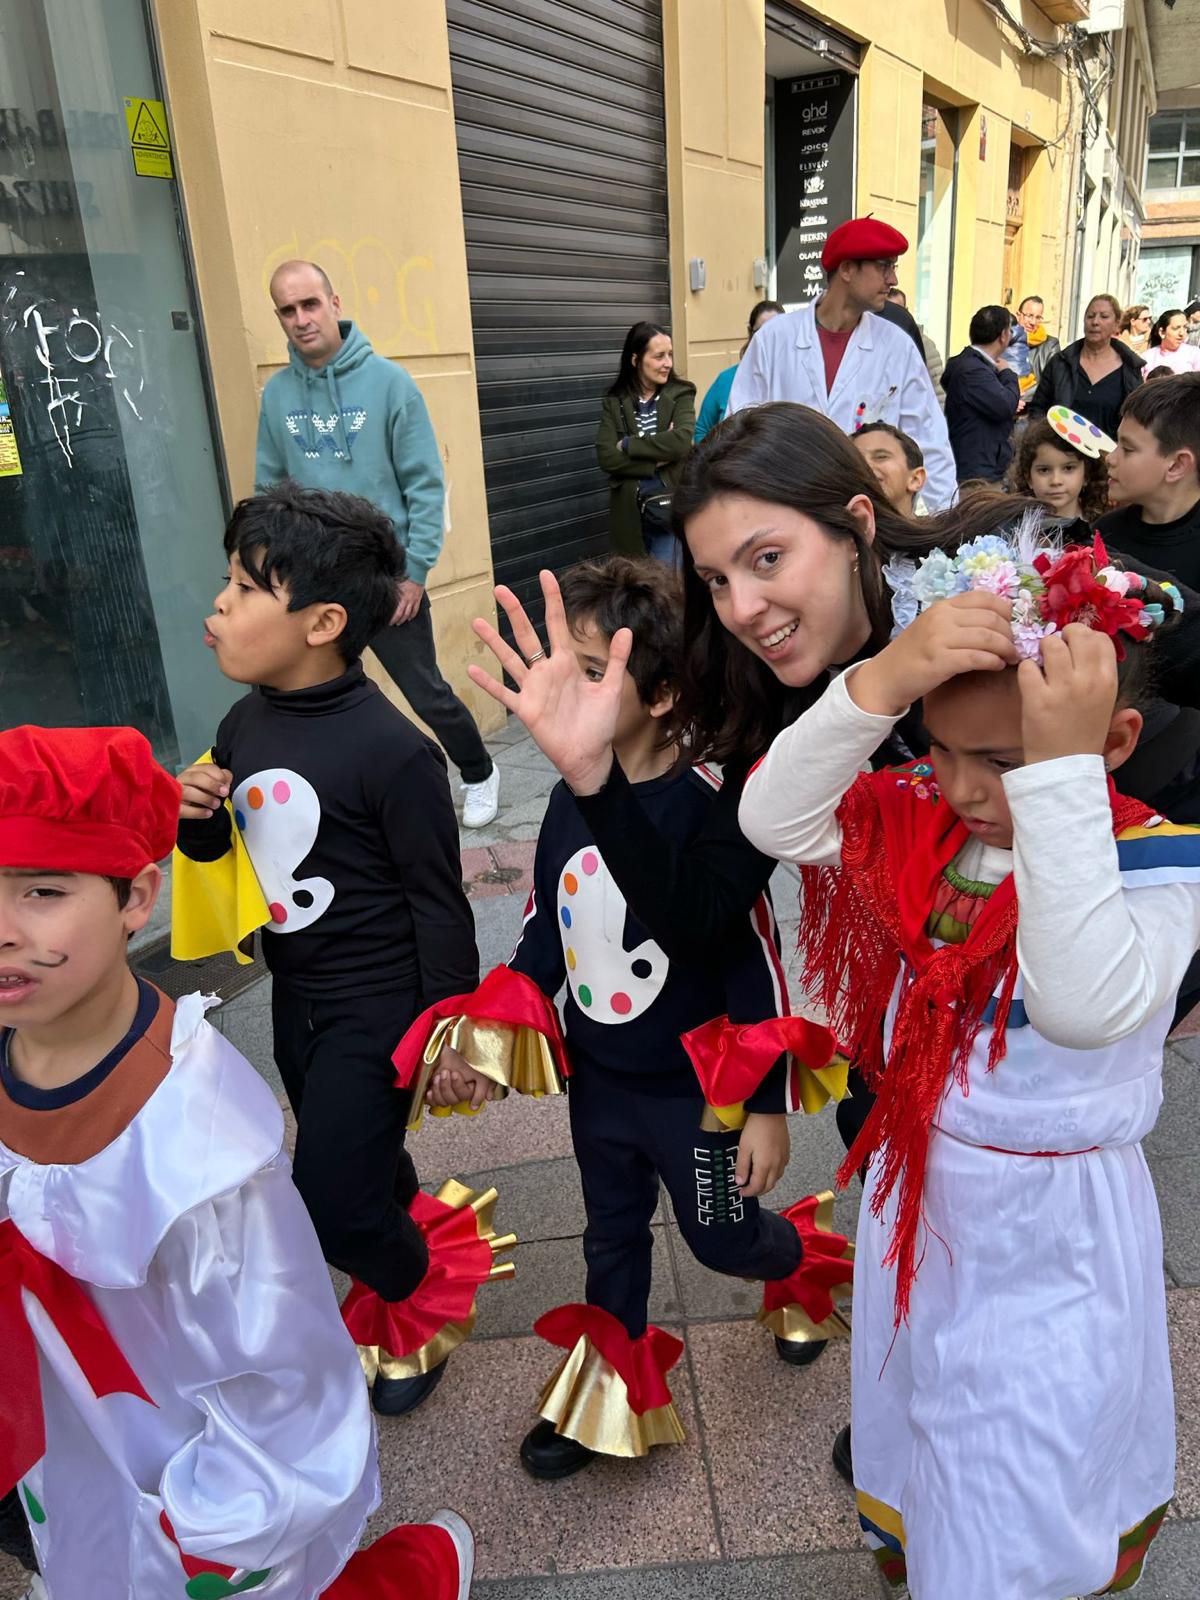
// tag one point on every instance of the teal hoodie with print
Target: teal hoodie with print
(357, 424)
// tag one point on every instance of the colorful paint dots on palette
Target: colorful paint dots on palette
(1087, 438)
(609, 982)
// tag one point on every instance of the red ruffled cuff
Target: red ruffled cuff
(504, 996)
(732, 1059)
(800, 1306)
(404, 1337)
(642, 1364)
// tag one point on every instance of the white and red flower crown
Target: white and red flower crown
(1049, 586)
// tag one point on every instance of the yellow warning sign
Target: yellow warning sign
(10, 456)
(149, 138)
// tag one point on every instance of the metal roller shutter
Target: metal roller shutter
(562, 156)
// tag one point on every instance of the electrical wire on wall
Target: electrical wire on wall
(1076, 53)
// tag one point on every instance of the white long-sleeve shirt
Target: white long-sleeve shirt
(880, 371)
(1100, 949)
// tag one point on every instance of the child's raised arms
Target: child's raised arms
(967, 633)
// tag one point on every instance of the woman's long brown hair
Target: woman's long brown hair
(730, 702)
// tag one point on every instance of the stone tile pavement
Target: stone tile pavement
(749, 1508)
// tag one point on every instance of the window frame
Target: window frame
(1187, 148)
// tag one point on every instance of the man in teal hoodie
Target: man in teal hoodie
(340, 417)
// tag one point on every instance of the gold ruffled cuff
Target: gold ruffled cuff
(447, 1339)
(374, 1359)
(586, 1400)
(791, 1322)
(817, 1086)
(516, 1058)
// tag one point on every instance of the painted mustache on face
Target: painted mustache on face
(60, 961)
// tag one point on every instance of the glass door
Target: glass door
(935, 223)
(110, 490)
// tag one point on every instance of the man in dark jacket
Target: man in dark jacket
(1031, 314)
(983, 396)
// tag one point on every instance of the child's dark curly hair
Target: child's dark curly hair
(1093, 498)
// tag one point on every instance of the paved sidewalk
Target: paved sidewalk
(749, 1508)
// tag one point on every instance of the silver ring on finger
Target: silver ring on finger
(538, 655)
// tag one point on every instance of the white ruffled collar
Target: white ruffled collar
(208, 1127)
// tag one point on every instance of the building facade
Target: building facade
(1169, 273)
(497, 189)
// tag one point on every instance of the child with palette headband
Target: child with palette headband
(641, 1021)
(1069, 478)
(1013, 1416)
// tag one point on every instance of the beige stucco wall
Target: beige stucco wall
(714, 53)
(325, 129)
(713, 57)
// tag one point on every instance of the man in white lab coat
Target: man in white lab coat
(843, 360)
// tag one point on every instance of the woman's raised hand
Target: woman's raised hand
(572, 720)
(970, 632)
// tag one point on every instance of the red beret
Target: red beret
(862, 239)
(84, 800)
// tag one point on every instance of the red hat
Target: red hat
(84, 800)
(862, 239)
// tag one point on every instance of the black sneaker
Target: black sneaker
(843, 1461)
(799, 1355)
(396, 1397)
(549, 1455)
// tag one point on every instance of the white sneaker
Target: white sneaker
(464, 1547)
(482, 802)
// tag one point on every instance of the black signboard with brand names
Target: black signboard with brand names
(814, 176)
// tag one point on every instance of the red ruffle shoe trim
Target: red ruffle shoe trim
(503, 996)
(823, 1267)
(732, 1059)
(459, 1261)
(642, 1364)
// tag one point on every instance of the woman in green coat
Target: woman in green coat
(646, 426)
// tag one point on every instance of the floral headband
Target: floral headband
(1049, 587)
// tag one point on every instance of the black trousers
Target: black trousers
(625, 1142)
(407, 654)
(351, 1167)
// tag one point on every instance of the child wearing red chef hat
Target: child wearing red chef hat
(181, 1409)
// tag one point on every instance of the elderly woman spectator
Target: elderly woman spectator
(1094, 375)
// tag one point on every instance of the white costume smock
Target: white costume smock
(881, 379)
(187, 1234)
(1021, 1423)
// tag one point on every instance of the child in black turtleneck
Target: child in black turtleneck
(345, 810)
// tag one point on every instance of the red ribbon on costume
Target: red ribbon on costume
(504, 996)
(192, 1566)
(823, 1266)
(459, 1261)
(641, 1363)
(66, 1303)
(732, 1059)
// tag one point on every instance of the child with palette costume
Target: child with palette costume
(637, 1115)
(1013, 1417)
(1063, 466)
(344, 810)
(182, 1408)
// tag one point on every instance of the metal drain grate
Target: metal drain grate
(220, 975)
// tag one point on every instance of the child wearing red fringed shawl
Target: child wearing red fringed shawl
(1012, 1409)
